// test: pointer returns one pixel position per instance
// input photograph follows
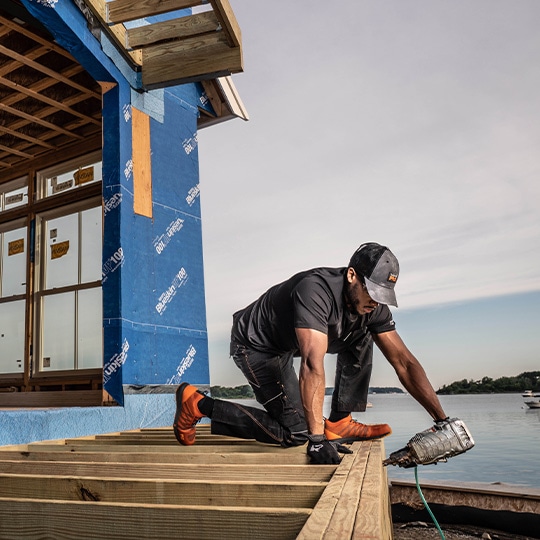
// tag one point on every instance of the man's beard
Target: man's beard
(351, 299)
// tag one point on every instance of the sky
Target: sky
(414, 124)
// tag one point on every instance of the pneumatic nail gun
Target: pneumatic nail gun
(447, 438)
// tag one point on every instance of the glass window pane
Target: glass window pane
(13, 267)
(15, 197)
(91, 226)
(75, 177)
(58, 332)
(12, 336)
(90, 336)
(62, 241)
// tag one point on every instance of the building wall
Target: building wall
(153, 288)
(158, 336)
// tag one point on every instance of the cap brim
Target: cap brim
(381, 295)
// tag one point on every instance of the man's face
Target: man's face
(357, 296)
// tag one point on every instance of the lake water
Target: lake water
(505, 431)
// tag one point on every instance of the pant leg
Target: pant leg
(275, 384)
(353, 374)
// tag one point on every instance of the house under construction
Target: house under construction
(101, 273)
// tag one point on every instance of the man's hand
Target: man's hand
(322, 451)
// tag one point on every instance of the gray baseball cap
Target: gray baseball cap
(380, 270)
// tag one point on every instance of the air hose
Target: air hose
(426, 504)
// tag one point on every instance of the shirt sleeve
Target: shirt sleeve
(312, 304)
(381, 320)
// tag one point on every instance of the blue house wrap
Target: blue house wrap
(154, 318)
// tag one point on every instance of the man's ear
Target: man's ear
(350, 274)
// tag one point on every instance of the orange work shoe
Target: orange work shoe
(348, 430)
(187, 413)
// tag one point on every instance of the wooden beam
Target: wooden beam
(373, 512)
(75, 398)
(234, 492)
(224, 471)
(23, 59)
(192, 59)
(27, 138)
(120, 11)
(500, 498)
(176, 29)
(54, 103)
(225, 14)
(47, 43)
(95, 455)
(118, 31)
(31, 518)
(356, 485)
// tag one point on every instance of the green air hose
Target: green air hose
(426, 504)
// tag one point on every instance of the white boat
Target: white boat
(531, 400)
(534, 404)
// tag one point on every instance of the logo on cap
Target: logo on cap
(392, 278)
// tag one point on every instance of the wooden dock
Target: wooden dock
(142, 484)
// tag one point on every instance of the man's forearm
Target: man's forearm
(313, 346)
(312, 390)
(417, 384)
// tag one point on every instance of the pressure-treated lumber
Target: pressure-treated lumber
(252, 473)
(143, 484)
(197, 58)
(234, 492)
(176, 29)
(129, 10)
(355, 503)
(36, 518)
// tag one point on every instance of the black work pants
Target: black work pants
(275, 385)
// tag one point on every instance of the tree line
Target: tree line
(528, 380)
(238, 392)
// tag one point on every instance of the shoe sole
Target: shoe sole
(348, 440)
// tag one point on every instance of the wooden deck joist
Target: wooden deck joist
(144, 484)
(185, 48)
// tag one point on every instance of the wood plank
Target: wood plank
(481, 496)
(24, 59)
(293, 473)
(75, 398)
(33, 119)
(35, 518)
(355, 503)
(117, 31)
(182, 28)
(175, 63)
(238, 492)
(92, 445)
(318, 524)
(52, 102)
(373, 517)
(120, 11)
(225, 14)
(142, 164)
(163, 457)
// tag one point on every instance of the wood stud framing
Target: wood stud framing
(47, 100)
(144, 484)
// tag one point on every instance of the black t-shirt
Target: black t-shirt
(311, 299)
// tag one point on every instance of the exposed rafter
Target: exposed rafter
(47, 100)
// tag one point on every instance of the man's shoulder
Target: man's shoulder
(321, 274)
(322, 282)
